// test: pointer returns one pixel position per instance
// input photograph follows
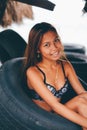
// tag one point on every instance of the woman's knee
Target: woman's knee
(76, 103)
(82, 106)
(81, 100)
(84, 95)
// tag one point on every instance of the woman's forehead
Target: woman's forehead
(49, 35)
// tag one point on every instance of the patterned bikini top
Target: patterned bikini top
(57, 93)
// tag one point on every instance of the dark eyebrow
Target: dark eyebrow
(46, 42)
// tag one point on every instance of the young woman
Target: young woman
(48, 74)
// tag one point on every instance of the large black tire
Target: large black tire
(76, 57)
(74, 48)
(17, 111)
(12, 45)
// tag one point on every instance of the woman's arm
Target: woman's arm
(73, 79)
(36, 81)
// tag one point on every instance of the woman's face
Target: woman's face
(50, 46)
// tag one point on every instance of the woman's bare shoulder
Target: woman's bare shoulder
(31, 69)
(66, 63)
(33, 72)
(68, 67)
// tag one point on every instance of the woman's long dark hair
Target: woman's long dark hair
(34, 41)
(35, 37)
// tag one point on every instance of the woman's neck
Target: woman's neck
(48, 64)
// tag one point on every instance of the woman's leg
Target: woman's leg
(79, 105)
(84, 128)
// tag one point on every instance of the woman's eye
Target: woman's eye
(46, 45)
(57, 40)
